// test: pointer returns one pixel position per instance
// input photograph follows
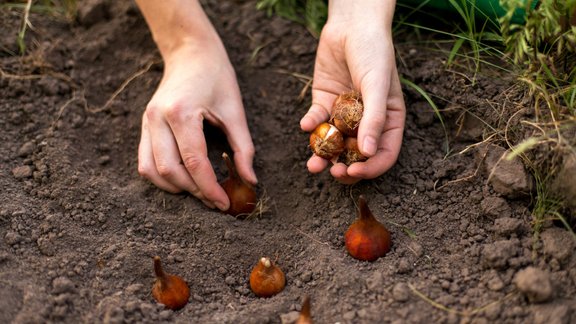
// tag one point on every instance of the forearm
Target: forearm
(175, 23)
(369, 11)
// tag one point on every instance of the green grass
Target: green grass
(62, 8)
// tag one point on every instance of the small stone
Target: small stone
(375, 280)
(535, 284)
(12, 238)
(230, 281)
(289, 318)
(401, 292)
(558, 243)
(26, 149)
(350, 315)
(495, 284)
(104, 159)
(306, 276)
(62, 285)
(22, 172)
(404, 266)
(134, 288)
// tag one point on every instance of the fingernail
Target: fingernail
(369, 145)
(222, 206)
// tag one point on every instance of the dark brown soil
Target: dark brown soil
(79, 227)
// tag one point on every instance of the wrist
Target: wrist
(178, 24)
(367, 12)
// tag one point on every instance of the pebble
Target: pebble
(534, 284)
(26, 149)
(401, 292)
(230, 281)
(289, 318)
(22, 172)
(404, 266)
(62, 285)
(12, 238)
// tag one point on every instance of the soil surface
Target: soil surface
(79, 227)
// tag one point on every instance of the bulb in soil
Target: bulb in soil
(266, 278)
(170, 290)
(347, 112)
(327, 141)
(367, 239)
(241, 194)
(305, 314)
(351, 153)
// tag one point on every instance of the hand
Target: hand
(356, 51)
(198, 83)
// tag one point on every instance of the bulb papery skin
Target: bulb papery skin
(351, 153)
(347, 112)
(367, 239)
(327, 141)
(242, 195)
(169, 290)
(267, 279)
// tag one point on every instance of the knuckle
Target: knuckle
(173, 112)
(164, 170)
(144, 171)
(192, 162)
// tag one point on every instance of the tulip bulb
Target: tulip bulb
(367, 239)
(351, 153)
(305, 317)
(170, 290)
(241, 194)
(327, 141)
(347, 112)
(266, 279)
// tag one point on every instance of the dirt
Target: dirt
(79, 227)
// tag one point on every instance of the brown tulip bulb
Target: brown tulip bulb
(367, 239)
(305, 317)
(347, 112)
(170, 290)
(241, 194)
(267, 279)
(351, 153)
(327, 141)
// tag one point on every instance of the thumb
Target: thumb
(374, 94)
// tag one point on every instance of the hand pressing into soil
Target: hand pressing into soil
(356, 51)
(198, 84)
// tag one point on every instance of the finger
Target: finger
(317, 114)
(339, 172)
(384, 159)
(374, 90)
(187, 129)
(167, 157)
(236, 129)
(146, 164)
(316, 164)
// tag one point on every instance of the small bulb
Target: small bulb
(266, 278)
(367, 239)
(347, 112)
(351, 153)
(170, 290)
(242, 195)
(327, 141)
